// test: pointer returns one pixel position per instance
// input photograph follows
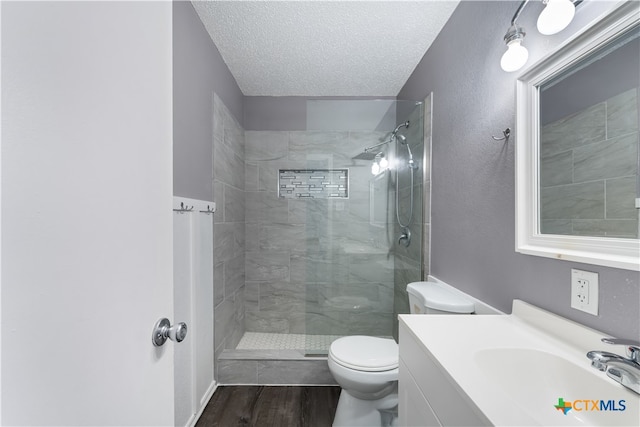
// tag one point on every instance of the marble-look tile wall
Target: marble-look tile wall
(315, 266)
(589, 168)
(411, 263)
(229, 229)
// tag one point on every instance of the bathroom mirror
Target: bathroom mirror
(578, 156)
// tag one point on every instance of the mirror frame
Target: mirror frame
(606, 251)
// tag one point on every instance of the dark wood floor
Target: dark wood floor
(271, 406)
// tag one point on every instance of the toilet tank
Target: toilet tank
(433, 298)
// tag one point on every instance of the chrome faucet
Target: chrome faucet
(625, 370)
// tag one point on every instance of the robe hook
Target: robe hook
(506, 133)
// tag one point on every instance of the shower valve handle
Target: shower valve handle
(405, 237)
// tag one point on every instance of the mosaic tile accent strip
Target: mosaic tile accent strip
(268, 341)
(313, 183)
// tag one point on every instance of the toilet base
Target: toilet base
(354, 412)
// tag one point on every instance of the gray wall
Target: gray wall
(275, 113)
(198, 72)
(473, 206)
(282, 113)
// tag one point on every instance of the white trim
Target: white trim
(198, 205)
(610, 252)
(201, 209)
(203, 404)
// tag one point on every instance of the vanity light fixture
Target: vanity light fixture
(556, 16)
(516, 55)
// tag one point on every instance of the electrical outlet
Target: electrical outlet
(584, 291)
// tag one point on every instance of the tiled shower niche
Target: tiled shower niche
(313, 183)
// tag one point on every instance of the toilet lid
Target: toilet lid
(365, 353)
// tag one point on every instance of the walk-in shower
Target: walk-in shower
(322, 252)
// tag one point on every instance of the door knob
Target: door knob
(164, 330)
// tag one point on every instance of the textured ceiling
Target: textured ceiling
(323, 48)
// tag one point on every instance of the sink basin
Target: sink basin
(535, 380)
(513, 370)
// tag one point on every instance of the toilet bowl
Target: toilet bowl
(367, 370)
(367, 367)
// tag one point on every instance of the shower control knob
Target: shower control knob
(405, 237)
(163, 331)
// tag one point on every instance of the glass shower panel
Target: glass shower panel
(409, 218)
(348, 267)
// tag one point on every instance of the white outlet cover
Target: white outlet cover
(589, 304)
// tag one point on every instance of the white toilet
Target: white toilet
(367, 367)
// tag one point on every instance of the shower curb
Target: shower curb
(272, 367)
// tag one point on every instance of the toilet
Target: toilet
(367, 367)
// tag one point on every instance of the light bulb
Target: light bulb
(383, 163)
(375, 168)
(556, 16)
(515, 56)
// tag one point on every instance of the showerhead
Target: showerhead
(370, 154)
(403, 141)
(401, 125)
(365, 155)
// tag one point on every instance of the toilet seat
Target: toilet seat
(364, 353)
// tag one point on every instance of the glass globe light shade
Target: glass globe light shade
(556, 16)
(375, 168)
(515, 57)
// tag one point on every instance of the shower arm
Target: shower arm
(393, 134)
(366, 150)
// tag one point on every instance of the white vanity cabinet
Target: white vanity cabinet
(505, 370)
(427, 395)
(413, 408)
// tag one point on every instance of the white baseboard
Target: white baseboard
(203, 404)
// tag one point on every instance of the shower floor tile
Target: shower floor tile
(269, 341)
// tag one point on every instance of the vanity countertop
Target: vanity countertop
(515, 368)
